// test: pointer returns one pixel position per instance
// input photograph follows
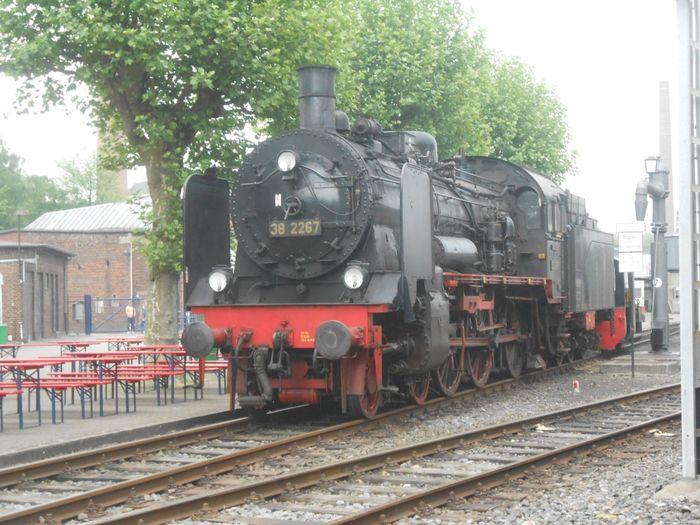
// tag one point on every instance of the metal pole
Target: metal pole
(20, 273)
(659, 322)
(687, 11)
(131, 274)
(19, 250)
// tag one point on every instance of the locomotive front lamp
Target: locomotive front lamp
(220, 279)
(651, 164)
(355, 276)
(287, 161)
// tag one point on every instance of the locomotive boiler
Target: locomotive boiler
(366, 269)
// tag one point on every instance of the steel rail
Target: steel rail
(232, 496)
(53, 466)
(119, 492)
(468, 486)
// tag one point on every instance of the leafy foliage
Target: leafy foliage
(421, 68)
(35, 194)
(10, 186)
(420, 65)
(85, 184)
(527, 121)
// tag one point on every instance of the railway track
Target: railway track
(396, 482)
(136, 472)
(564, 478)
(137, 468)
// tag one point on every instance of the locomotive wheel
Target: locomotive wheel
(419, 388)
(514, 358)
(367, 404)
(448, 376)
(479, 364)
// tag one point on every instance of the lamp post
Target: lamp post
(656, 186)
(130, 253)
(20, 272)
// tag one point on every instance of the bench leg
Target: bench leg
(52, 395)
(81, 395)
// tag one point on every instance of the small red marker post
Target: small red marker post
(577, 386)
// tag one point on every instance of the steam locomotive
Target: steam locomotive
(368, 270)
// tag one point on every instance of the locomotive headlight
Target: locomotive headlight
(220, 279)
(355, 276)
(287, 161)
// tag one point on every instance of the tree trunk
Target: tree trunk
(161, 324)
(165, 251)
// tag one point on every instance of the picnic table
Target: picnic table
(73, 346)
(104, 370)
(172, 358)
(121, 343)
(26, 374)
(9, 350)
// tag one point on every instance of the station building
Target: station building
(33, 290)
(95, 270)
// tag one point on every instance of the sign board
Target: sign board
(629, 242)
(632, 262)
(631, 248)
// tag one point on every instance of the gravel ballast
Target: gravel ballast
(605, 495)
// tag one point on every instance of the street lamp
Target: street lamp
(20, 272)
(651, 165)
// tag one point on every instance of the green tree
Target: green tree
(421, 67)
(527, 120)
(176, 79)
(85, 184)
(11, 186)
(35, 194)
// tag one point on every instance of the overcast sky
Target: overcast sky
(604, 59)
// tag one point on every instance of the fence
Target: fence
(104, 315)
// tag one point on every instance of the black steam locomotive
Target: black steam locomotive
(367, 269)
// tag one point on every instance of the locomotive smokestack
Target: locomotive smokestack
(317, 97)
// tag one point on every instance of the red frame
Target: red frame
(299, 321)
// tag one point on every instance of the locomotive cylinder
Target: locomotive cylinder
(317, 97)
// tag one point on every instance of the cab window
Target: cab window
(529, 203)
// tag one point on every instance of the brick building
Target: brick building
(106, 270)
(33, 298)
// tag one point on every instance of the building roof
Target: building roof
(32, 245)
(111, 217)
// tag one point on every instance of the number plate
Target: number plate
(302, 228)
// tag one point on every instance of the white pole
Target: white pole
(688, 245)
(131, 273)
